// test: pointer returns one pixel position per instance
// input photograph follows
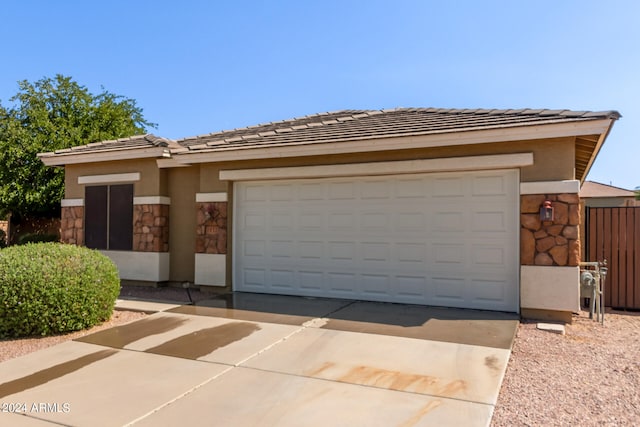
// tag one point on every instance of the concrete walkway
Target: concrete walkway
(268, 360)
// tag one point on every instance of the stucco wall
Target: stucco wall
(151, 181)
(209, 182)
(182, 184)
(554, 159)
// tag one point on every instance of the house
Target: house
(597, 195)
(611, 230)
(413, 205)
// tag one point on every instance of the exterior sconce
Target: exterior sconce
(546, 211)
(208, 213)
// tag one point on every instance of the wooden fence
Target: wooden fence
(614, 234)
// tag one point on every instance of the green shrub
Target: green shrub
(37, 238)
(3, 239)
(51, 288)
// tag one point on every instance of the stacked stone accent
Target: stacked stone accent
(151, 228)
(551, 242)
(72, 225)
(211, 228)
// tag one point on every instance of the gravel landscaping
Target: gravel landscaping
(589, 377)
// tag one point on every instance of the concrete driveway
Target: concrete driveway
(269, 360)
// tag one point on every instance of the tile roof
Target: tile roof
(350, 125)
(132, 142)
(345, 125)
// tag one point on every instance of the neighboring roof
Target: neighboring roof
(591, 189)
(351, 125)
(359, 127)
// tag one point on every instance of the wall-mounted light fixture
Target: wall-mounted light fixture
(208, 213)
(546, 211)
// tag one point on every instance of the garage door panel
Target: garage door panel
(311, 280)
(375, 251)
(490, 185)
(449, 221)
(254, 277)
(282, 248)
(373, 220)
(490, 291)
(489, 221)
(449, 290)
(341, 220)
(493, 256)
(282, 220)
(410, 189)
(412, 287)
(410, 253)
(449, 187)
(449, 254)
(376, 190)
(310, 220)
(283, 279)
(410, 221)
(342, 283)
(438, 239)
(344, 252)
(281, 192)
(377, 285)
(255, 220)
(342, 190)
(254, 192)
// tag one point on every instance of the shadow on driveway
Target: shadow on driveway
(474, 327)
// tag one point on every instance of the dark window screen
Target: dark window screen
(95, 223)
(121, 217)
(109, 217)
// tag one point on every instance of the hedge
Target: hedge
(52, 288)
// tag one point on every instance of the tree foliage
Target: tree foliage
(48, 115)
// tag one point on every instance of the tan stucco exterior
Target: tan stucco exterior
(554, 159)
(153, 181)
(183, 183)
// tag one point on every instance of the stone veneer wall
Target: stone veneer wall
(72, 225)
(151, 228)
(211, 228)
(554, 242)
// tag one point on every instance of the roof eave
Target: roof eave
(596, 151)
(53, 159)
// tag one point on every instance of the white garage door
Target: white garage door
(446, 239)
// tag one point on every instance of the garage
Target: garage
(444, 239)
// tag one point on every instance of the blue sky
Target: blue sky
(201, 66)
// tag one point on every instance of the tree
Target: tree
(48, 115)
(637, 191)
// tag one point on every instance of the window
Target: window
(109, 217)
